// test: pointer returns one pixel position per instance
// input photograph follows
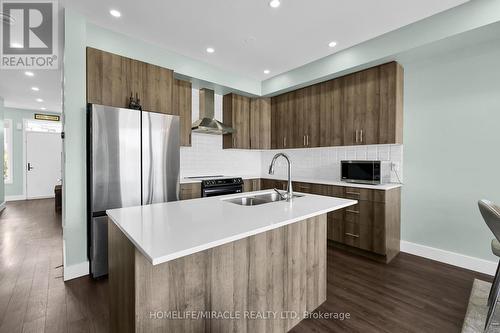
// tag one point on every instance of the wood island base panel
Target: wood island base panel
(263, 283)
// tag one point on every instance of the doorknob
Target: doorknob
(30, 167)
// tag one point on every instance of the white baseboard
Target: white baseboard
(42, 197)
(2, 206)
(74, 271)
(15, 197)
(451, 258)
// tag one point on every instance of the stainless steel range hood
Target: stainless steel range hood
(207, 123)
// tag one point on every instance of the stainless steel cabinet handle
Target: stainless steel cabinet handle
(357, 136)
(308, 140)
(361, 136)
(304, 140)
(284, 141)
(352, 235)
(352, 211)
(353, 193)
(234, 142)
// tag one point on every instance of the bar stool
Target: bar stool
(491, 215)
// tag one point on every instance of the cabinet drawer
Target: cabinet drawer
(364, 194)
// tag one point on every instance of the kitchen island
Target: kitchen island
(210, 265)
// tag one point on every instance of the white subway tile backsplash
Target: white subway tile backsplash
(305, 162)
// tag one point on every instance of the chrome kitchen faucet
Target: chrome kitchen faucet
(289, 190)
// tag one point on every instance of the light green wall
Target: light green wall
(17, 116)
(451, 148)
(2, 190)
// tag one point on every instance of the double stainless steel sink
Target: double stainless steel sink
(259, 199)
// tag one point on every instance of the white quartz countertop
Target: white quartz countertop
(382, 187)
(167, 231)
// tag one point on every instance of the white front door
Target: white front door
(43, 164)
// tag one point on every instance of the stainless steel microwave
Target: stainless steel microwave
(366, 172)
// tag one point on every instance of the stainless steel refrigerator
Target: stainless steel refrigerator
(132, 159)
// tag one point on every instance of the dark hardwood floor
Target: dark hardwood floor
(411, 294)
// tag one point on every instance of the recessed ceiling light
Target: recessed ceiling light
(267, 71)
(39, 100)
(35, 88)
(210, 50)
(29, 73)
(332, 44)
(274, 3)
(115, 13)
(43, 109)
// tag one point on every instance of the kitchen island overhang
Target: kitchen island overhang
(244, 269)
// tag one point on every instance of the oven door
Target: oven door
(222, 190)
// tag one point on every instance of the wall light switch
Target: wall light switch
(19, 126)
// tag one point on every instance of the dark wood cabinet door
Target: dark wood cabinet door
(182, 106)
(112, 79)
(350, 108)
(260, 123)
(190, 191)
(331, 123)
(361, 106)
(279, 106)
(391, 103)
(312, 101)
(241, 122)
(236, 113)
(108, 80)
(367, 115)
(157, 88)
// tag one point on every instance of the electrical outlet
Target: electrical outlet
(395, 166)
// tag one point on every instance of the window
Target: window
(7, 151)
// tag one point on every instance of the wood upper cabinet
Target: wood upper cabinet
(236, 113)
(391, 103)
(372, 108)
(361, 104)
(182, 106)
(108, 79)
(279, 119)
(330, 118)
(157, 88)
(112, 79)
(260, 123)
(308, 111)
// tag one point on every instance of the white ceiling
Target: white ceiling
(248, 35)
(15, 88)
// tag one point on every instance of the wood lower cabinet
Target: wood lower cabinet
(190, 191)
(112, 79)
(371, 227)
(250, 185)
(268, 184)
(183, 108)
